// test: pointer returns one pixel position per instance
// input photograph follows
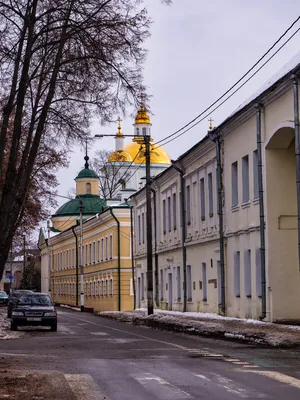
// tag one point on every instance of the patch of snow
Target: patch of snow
(288, 67)
(70, 307)
(5, 332)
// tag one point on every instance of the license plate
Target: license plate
(33, 319)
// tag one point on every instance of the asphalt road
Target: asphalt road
(97, 358)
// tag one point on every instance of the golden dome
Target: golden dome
(120, 156)
(142, 117)
(158, 154)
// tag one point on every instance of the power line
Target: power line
(224, 101)
(233, 86)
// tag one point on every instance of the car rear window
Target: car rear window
(38, 299)
(3, 294)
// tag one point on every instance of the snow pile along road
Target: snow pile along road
(214, 326)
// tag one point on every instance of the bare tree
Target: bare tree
(61, 61)
(112, 175)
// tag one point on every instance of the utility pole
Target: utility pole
(81, 259)
(149, 228)
(49, 259)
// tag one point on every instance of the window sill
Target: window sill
(202, 218)
(235, 208)
(246, 204)
(211, 215)
(204, 300)
(249, 296)
(190, 300)
(256, 200)
(238, 296)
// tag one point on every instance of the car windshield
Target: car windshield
(38, 300)
(3, 294)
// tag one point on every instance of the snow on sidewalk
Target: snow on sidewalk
(213, 325)
(5, 332)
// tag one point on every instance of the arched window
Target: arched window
(138, 131)
(88, 188)
(144, 131)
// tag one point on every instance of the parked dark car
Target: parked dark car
(13, 298)
(34, 309)
(3, 298)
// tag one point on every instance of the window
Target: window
(245, 176)
(86, 254)
(237, 274)
(110, 247)
(95, 289)
(139, 228)
(88, 188)
(234, 184)
(255, 175)
(204, 282)
(202, 199)
(169, 214)
(258, 272)
(174, 211)
(111, 287)
(143, 228)
(142, 283)
(102, 249)
(138, 131)
(188, 205)
(99, 288)
(106, 247)
(90, 253)
(164, 217)
(210, 196)
(94, 252)
(106, 287)
(247, 272)
(189, 282)
(178, 284)
(102, 287)
(181, 211)
(99, 250)
(144, 130)
(87, 289)
(161, 284)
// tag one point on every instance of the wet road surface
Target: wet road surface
(99, 358)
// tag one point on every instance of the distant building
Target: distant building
(14, 268)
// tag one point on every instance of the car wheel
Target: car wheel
(13, 326)
(54, 327)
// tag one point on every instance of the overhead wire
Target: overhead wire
(226, 99)
(235, 84)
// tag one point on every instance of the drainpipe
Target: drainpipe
(297, 150)
(261, 215)
(132, 258)
(155, 249)
(183, 227)
(76, 260)
(214, 136)
(119, 258)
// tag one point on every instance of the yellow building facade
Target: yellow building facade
(106, 263)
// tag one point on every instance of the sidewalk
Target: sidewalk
(213, 326)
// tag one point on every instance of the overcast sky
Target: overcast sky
(197, 50)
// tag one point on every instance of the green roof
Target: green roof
(87, 173)
(92, 204)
